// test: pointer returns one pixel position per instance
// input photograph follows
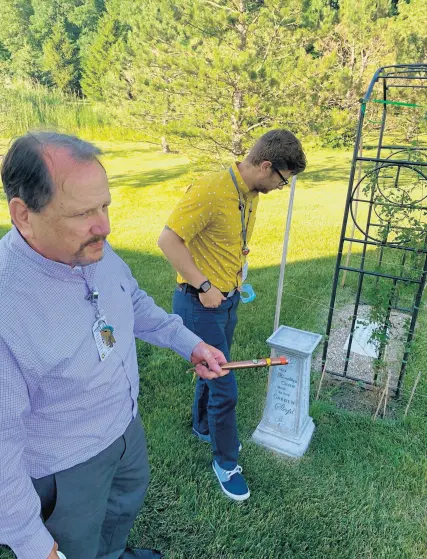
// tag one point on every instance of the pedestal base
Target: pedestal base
(278, 441)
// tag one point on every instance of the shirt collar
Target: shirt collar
(45, 265)
(243, 187)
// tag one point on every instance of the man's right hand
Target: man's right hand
(53, 554)
(212, 298)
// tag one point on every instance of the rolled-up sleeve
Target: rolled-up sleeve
(21, 527)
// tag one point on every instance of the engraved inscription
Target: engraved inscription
(282, 407)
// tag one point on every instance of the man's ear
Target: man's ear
(265, 165)
(21, 217)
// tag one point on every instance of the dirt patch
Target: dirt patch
(355, 398)
(361, 367)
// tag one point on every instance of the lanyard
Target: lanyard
(93, 297)
(245, 248)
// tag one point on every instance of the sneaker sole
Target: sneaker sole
(232, 495)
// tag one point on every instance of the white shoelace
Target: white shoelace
(237, 470)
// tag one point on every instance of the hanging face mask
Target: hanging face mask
(247, 293)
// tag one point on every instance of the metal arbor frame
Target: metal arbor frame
(388, 190)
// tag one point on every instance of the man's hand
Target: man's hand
(53, 554)
(206, 354)
(212, 298)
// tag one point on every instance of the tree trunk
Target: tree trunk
(236, 139)
(165, 145)
(237, 134)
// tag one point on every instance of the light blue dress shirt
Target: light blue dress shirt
(59, 403)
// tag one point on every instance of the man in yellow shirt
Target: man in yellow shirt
(206, 240)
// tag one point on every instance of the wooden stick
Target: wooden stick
(252, 363)
(417, 380)
(321, 381)
(383, 394)
(386, 392)
(379, 405)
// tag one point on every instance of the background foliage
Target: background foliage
(210, 75)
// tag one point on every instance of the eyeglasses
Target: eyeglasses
(283, 182)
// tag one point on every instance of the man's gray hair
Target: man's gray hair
(24, 172)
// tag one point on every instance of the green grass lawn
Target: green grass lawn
(361, 490)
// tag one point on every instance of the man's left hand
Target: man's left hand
(204, 354)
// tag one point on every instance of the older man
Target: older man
(73, 458)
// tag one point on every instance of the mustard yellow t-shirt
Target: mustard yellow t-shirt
(208, 219)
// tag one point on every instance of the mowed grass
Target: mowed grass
(361, 490)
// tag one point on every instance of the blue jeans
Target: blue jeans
(214, 408)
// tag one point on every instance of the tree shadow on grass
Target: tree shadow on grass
(166, 402)
(147, 178)
(185, 513)
(113, 153)
(328, 174)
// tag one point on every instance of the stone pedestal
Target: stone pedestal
(286, 426)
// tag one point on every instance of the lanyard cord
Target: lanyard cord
(245, 249)
(93, 297)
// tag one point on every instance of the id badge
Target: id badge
(245, 271)
(104, 339)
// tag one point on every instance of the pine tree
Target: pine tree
(17, 40)
(214, 73)
(101, 57)
(59, 59)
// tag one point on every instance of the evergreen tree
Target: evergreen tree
(59, 59)
(102, 57)
(15, 35)
(214, 73)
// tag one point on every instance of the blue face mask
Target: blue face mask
(247, 293)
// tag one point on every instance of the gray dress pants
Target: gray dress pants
(90, 508)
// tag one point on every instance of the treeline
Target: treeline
(212, 73)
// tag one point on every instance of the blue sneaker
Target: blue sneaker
(232, 482)
(207, 438)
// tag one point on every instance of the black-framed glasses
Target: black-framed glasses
(283, 182)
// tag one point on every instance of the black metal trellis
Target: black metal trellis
(386, 209)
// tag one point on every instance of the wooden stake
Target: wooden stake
(384, 396)
(379, 405)
(321, 381)
(386, 392)
(417, 380)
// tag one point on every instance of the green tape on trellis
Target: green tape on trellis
(397, 103)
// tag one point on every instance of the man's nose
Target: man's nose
(102, 225)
